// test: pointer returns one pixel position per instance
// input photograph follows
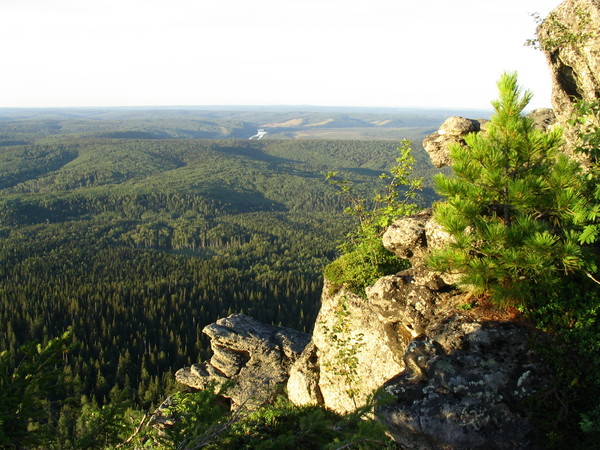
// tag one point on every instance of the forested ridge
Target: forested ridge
(137, 244)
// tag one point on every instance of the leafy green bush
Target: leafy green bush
(103, 427)
(198, 419)
(285, 426)
(587, 213)
(364, 259)
(32, 388)
(570, 416)
(568, 413)
(362, 266)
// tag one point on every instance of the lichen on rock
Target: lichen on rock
(570, 40)
(363, 336)
(468, 397)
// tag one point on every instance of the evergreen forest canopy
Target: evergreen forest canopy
(134, 235)
(134, 232)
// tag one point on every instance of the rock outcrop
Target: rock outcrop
(452, 131)
(455, 129)
(334, 379)
(466, 394)
(570, 40)
(255, 356)
(456, 372)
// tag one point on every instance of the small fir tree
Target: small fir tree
(509, 206)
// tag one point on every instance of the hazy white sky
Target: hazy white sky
(398, 53)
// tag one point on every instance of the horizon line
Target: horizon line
(251, 107)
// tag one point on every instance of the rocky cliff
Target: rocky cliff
(454, 371)
(570, 40)
(255, 356)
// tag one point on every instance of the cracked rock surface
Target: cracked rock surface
(255, 356)
(468, 397)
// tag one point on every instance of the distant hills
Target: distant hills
(236, 122)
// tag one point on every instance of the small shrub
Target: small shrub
(364, 259)
(362, 266)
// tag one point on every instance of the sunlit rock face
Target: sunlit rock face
(570, 39)
(452, 131)
(454, 375)
(345, 381)
(255, 356)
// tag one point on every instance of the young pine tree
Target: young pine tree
(509, 206)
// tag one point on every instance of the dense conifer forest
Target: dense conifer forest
(135, 240)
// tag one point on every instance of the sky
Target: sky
(375, 53)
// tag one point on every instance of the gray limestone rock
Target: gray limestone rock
(406, 236)
(543, 118)
(468, 396)
(404, 305)
(255, 356)
(413, 237)
(376, 349)
(303, 384)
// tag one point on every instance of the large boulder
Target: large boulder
(352, 353)
(255, 356)
(467, 366)
(358, 343)
(455, 369)
(413, 237)
(469, 394)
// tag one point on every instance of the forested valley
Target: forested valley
(135, 240)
